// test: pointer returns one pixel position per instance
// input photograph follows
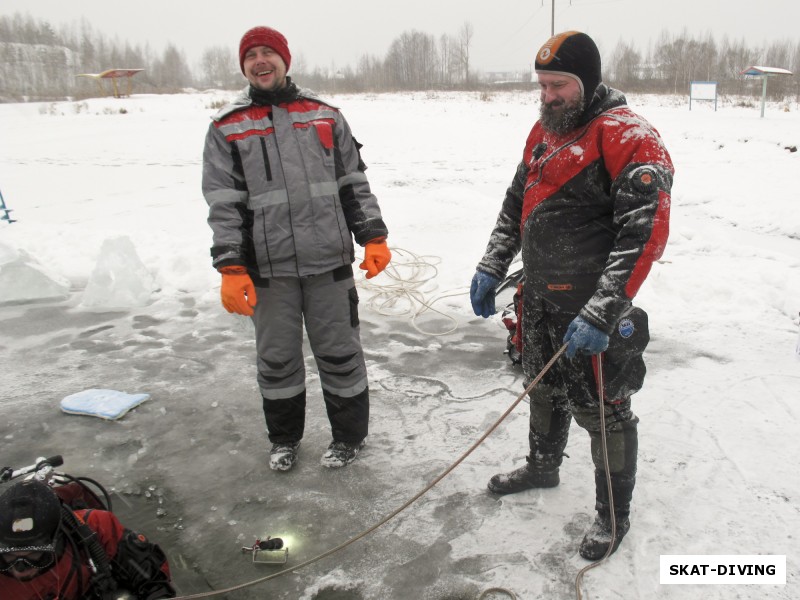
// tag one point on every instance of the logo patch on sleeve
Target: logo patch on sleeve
(626, 328)
(644, 179)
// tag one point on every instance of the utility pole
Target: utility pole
(553, 16)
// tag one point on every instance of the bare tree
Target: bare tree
(795, 68)
(445, 59)
(465, 42)
(219, 68)
(734, 56)
(299, 65)
(412, 62)
(172, 71)
(370, 72)
(706, 57)
(673, 55)
(625, 68)
(779, 54)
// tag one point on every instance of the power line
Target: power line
(520, 28)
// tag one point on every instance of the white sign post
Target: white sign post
(703, 90)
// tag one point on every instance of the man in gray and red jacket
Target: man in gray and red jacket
(589, 210)
(287, 193)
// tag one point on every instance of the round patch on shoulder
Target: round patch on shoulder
(644, 179)
(626, 328)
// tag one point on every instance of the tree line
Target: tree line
(39, 62)
(675, 60)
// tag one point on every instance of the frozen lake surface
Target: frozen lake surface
(105, 282)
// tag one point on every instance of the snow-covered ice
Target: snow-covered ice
(719, 416)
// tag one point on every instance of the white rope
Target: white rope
(405, 293)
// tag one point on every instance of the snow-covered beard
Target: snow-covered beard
(563, 118)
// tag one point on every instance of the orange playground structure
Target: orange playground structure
(113, 75)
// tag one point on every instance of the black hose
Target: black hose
(104, 504)
(106, 496)
(102, 580)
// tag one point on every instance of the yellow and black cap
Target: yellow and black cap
(575, 54)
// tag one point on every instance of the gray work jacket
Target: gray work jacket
(286, 188)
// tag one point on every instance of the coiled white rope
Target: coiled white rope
(406, 294)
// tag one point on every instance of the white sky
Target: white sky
(507, 33)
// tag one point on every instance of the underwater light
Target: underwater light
(268, 551)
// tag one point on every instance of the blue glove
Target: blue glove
(585, 338)
(481, 294)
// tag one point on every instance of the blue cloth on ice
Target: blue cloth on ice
(106, 404)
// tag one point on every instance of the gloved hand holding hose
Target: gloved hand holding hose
(585, 338)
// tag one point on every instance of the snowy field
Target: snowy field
(105, 282)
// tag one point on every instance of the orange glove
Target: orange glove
(237, 291)
(376, 257)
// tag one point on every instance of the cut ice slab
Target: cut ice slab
(23, 280)
(120, 279)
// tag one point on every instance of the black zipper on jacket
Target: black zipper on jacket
(546, 159)
(266, 158)
(266, 241)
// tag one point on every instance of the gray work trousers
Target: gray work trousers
(328, 306)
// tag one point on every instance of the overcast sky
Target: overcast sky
(507, 33)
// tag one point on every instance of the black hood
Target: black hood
(604, 98)
(30, 514)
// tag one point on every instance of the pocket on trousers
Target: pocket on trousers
(353, 296)
(623, 366)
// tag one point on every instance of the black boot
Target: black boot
(526, 477)
(549, 428)
(597, 540)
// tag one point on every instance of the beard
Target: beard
(561, 116)
(271, 87)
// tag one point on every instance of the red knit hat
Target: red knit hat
(265, 36)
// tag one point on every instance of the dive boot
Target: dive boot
(597, 540)
(524, 478)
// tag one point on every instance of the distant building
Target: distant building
(500, 78)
